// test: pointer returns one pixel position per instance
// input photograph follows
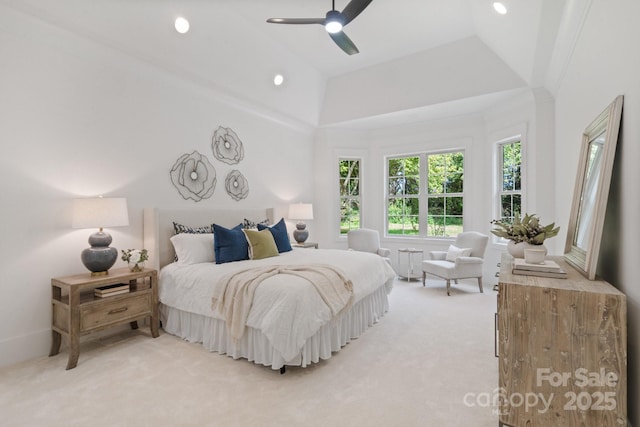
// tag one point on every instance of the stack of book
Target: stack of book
(111, 290)
(548, 268)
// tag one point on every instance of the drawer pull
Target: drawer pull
(118, 310)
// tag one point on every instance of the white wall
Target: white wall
(605, 63)
(79, 119)
(414, 81)
(532, 117)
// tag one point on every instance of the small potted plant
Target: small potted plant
(135, 258)
(523, 233)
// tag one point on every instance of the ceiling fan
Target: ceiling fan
(333, 22)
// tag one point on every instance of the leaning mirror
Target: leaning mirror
(589, 205)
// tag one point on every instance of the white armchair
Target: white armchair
(367, 240)
(463, 260)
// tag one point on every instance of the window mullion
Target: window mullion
(423, 195)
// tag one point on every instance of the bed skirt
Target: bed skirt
(255, 347)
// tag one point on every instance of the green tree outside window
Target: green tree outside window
(510, 155)
(403, 206)
(445, 184)
(349, 181)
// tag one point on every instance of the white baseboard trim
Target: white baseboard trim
(38, 344)
(18, 349)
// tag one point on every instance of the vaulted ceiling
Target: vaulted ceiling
(415, 55)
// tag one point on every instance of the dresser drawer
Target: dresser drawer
(107, 312)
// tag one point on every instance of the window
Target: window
(350, 201)
(425, 194)
(444, 194)
(403, 192)
(510, 180)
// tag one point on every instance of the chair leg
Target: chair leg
(424, 278)
(448, 287)
(480, 284)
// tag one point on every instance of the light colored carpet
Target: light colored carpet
(413, 368)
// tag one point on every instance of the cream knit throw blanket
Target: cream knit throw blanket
(233, 294)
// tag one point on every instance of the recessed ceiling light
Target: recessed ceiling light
(278, 79)
(182, 25)
(500, 8)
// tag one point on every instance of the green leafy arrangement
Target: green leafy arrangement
(527, 229)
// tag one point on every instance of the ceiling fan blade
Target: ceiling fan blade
(344, 42)
(353, 9)
(296, 21)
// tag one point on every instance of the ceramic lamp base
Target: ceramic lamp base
(100, 257)
(301, 234)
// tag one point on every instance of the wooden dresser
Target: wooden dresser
(562, 347)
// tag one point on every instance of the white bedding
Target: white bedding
(286, 309)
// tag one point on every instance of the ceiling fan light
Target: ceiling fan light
(333, 27)
(333, 22)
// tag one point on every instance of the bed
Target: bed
(289, 323)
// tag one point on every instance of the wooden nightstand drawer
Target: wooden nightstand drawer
(106, 313)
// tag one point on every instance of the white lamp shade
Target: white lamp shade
(100, 212)
(301, 211)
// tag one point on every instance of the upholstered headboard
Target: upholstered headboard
(158, 227)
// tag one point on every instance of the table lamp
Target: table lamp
(300, 212)
(99, 212)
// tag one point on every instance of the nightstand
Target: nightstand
(305, 245)
(76, 311)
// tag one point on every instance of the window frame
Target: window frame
(499, 181)
(423, 195)
(387, 196)
(444, 195)
(360, 185)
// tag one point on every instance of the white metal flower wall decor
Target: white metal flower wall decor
(195, 177)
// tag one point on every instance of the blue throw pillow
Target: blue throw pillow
(229, 244)
(280, 235)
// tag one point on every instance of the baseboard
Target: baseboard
(38, 344)
(18, 349)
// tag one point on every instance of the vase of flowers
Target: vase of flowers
(135, 258)
(524, 233)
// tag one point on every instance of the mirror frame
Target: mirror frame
(585, 260)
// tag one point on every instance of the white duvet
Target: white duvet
(287, 309)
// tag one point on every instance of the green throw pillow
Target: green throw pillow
(261, 244)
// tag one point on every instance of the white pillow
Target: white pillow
(455, 252)
(193, 248)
